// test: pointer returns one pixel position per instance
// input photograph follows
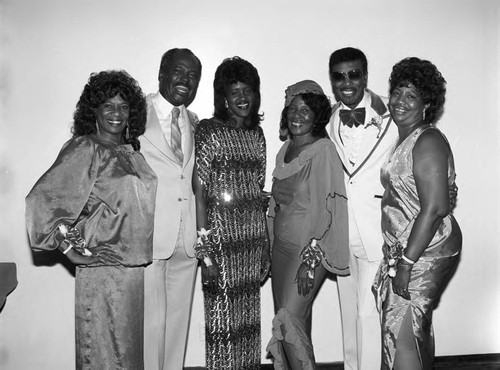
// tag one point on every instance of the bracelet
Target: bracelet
(68, 249)
(411, 262)
(312, 255)
(72, 236)
(203, 246)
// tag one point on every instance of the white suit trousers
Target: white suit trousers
(168, 297)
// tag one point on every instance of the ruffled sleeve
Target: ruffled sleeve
(61, 194)
(329, 220)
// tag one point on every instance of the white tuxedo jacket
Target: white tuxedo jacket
(174, 192)
(364, 189)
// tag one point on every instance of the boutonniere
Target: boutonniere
(377, 122)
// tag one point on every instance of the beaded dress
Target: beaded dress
(231, 164)
(434, 268)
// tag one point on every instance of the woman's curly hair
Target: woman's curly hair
(427, 80)
(322, 109)
(106, 85)
(231, 71)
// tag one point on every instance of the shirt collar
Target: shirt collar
(164, 107)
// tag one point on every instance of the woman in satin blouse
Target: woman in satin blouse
(95, 205)
(309, 208)
(422, 239)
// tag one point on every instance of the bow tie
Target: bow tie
(351, 117)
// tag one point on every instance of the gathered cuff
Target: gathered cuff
(287, 328)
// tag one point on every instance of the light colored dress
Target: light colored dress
(432, 271)
(231, 163)
(308, 201)
(107, 192)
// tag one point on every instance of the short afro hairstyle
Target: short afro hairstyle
(346, 55)
(106, 85)
(166, 59)
(427, 80)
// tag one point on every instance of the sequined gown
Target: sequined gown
(107, 192)
(432, 271)
(231, 164)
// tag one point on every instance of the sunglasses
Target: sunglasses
(354, 75)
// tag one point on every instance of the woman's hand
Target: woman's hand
(265, 265)
(102, 254)
(265, 197)
(401, 280)
(452, 194)
(209, 274)
(305, 283)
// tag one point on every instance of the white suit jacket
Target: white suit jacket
(174, 192)
(364, 189)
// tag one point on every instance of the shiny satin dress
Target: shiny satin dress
(432, 271)
(231, 163)
(107, 192)
(308, 201)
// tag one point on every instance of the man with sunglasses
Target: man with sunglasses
(363, 133)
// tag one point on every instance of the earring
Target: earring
(423, 115)
(127, 133)
(225, 104)
(97, 127)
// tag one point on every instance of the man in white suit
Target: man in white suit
(363, 133)
(168, 147)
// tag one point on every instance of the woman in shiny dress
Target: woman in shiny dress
(95, 204)
(422, 238)
(309, 211)
(233, 243)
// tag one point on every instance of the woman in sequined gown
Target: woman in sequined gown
(422, 238)
(102, 192)
(309, 212)
(228, 180)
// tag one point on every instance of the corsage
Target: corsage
(397, 260)
(312, 255)
(73, 240)
(203, 247)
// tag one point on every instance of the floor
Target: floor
(466, 362)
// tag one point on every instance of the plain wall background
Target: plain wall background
(49, 48)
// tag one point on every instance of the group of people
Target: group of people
(144, 192)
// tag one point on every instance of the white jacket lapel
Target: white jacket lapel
(155, 135)
(335, 123)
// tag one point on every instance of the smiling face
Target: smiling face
(300, 118)
(112, 118)
(240, 99)
(179, 82)
(348, 90)
(406, 106)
